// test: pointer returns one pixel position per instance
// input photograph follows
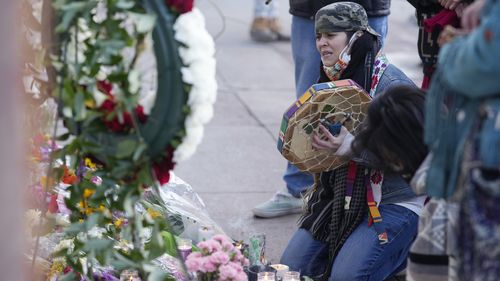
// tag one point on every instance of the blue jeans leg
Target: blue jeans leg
(296, 181)
(305, 55)
(380, 24)
(306, 255)
(307, 62)
(363, 258)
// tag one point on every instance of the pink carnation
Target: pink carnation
(227, 272)
(242, 276)
(193, 263)
(227, 246)
(207, 265)
(221, 238)
(194, 255)
(209, 246)
(219, 258)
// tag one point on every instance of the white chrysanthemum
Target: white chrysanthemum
(198, 56)
(65, 244)
(97, 232)
(32, 217)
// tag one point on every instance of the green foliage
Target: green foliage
(92, 48)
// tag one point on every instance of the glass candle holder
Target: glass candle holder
(291, 276)
(280, 270)
(185, 247)
(266, 276)
(129, 275)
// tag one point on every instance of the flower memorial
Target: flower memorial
(217, 259)
(90, 218)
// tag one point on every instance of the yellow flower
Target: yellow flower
(88, 192)
(43, 182)
(101, 208)
(118, 223)
(56, 268)
(153, 213)
(90, 164)
(88, 211)
(90, 103)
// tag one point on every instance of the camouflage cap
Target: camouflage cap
(342, 16)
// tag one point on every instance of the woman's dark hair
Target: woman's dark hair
(393, 130)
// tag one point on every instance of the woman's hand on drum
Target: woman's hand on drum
(325, 140)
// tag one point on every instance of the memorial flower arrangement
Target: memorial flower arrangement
(217, 259)
(119, 139)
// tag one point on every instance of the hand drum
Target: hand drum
(331, 102)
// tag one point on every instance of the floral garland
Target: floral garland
(197, 53)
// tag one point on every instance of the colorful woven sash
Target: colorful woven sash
(351, 177)
(374, 218)
(373, 179)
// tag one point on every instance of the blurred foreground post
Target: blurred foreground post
(12, 157)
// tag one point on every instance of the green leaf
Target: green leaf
(156, 246)
(125, 4)
(70, 12)
(159, 275)
(80, 106)
(144, 22)
(145, 176)
(139, 151)
(70, 276)
(125, 148)
(170, 247)
(63, 137)
(120, 262)
(97, 244)
(75, 228)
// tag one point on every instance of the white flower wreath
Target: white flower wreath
(198, 56)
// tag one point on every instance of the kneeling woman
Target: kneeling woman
(362, 217)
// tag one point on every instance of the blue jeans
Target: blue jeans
(380, 25)
(361, 257)
(307, 62)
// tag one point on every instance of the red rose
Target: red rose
(109, 105)
(162, 169)
(53, 207)
(180, 6)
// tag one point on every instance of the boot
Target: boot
(275, 26)
(260, 31)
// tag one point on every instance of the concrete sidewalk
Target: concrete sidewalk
(238, 166)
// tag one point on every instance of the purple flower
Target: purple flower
(96, 180)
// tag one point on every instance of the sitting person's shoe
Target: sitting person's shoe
(281, 204)
(260, 30)
(275, 26)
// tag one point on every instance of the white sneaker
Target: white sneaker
(280, 205)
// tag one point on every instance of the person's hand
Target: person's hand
(449, 4)
(472, 15)
(448, 34)
(328, 141)
(460, 9)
